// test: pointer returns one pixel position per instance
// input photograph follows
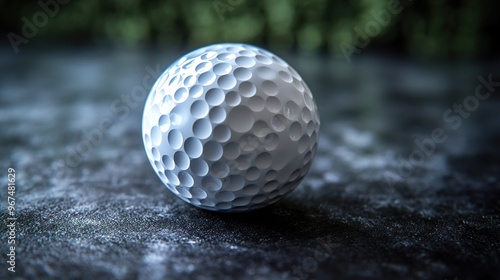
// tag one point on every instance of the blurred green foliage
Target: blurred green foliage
(423, 28)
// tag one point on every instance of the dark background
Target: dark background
(366, 210)
(424, 29)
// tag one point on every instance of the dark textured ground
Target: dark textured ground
(106, 215)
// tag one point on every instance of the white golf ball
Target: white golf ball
(230, 127)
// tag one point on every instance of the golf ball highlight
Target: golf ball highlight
(230, 127)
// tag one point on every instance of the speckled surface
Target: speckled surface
(106, 215)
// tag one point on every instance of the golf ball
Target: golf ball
(230, 127)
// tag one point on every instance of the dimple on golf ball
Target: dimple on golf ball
(230, 127)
